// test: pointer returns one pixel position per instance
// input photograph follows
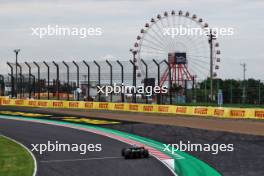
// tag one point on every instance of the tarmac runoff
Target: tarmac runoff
(106, 162)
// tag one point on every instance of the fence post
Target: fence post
(111, 78)
(34, 84)
(134, 94)
(48, 79)
(88, 79)
(159, 94)
(259, 97)
(38, 84)
(170, 84)
(78, 79)
(99, 79)
(68, 80)
(20, 80)
(122, 80)
(12, 79)
(12, 82)
(146, 77)
(23, 83)
(29, 79)
(58, 79)
(2, 84)
(231, 92)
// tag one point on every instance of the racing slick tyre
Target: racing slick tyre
(127, 154)
(145, 154)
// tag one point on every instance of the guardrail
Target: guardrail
(222, 112)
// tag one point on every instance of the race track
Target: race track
(107, 162)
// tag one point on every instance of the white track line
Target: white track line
(32, 155)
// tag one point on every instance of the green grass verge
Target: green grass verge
(14, 159)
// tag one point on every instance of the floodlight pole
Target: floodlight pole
(211, 39)
(16, 52)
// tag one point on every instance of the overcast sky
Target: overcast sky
(121, 21)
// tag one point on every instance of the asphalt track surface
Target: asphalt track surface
(107, 162)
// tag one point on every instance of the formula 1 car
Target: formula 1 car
(135, 152)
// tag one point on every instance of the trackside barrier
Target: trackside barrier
(257, 113)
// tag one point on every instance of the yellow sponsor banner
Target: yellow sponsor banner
(31, 103)
(258, 113)
(117, 106)
(74, 104)
(88, 105)
(103, 105)
(146, 108)
(219, 112)
(45, 103)
(164, 108)
(134, 108)
(59, 104)
(200, 111)
(6, 102)
(181, 110)
(237, 113)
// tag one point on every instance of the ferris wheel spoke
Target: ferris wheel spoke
(153, 52)
(159, 33)
(157, 40)
(168, 44)
(168, 38)
(168, 24)
(153, 45)
(160, 37)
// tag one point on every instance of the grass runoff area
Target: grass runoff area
(14, 159)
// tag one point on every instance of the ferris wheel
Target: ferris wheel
(189, 56)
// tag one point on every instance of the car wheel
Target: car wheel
(123, 152)
(146, 154)
(127, 154)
